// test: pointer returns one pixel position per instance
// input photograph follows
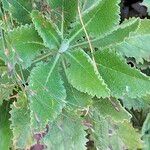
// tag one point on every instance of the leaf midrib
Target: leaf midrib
(86, 24)
(84, 67)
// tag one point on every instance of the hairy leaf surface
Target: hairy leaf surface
(108, 134)
(20, 123)
(136, 103)
(137, 45)
(104, 134)
(120, 78)
(23, 44)
(129, 136)
(69, 133)
(95, 20)
(111, 108)
(65, 11)
(20, 9)
(47, 94)
(6, 85)
(118, 35)
(46, 30)
(82, 74)
(75, 98)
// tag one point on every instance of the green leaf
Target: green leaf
(75, 98)
(24, 44)
(46, 30)
(2, 55)
(100, 134)
(47, 94)
(104, 134)
(6, 85)
(95, 20)
(65, 11)
(83, 76)
(54, 3)
(146, 133)
(129, 136)
(20, 10)
(69, 133)
(136, 103)
(120, 78)
(147, 4)
(112, 109)
(5, 132)
(20, 123)
(118, 136)
(137, 45)
(118, 35)
(87, 4)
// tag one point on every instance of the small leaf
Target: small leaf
(46, 30)
(47, 94)
(69, 133)
(82, 75)
(20, 123)
(120, 78)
